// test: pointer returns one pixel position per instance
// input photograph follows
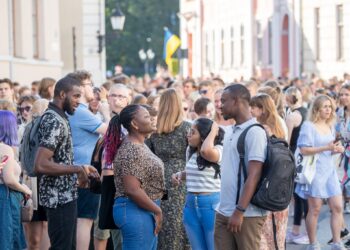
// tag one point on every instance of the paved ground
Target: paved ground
(323, 231)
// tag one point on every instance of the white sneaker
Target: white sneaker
(347, 208)
(302, 239)
(314, 246)
(338, 246)
(290, 237)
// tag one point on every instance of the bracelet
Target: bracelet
(241, 209)
(82, 167)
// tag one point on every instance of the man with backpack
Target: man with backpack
(238, 224)
(54, 162)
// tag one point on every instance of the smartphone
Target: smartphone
(338, 139)
(4, 159)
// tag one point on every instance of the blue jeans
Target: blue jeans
(199, 219)
(11, 230)
(136, 224)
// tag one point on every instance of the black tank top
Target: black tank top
(296, 130)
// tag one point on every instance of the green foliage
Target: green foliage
(143, 19)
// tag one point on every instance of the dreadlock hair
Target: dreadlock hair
(114, 136)
(204, 127)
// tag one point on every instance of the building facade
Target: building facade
(81, 24)
(49, 38)
(326, 32)
(239, 39)
(30, 45)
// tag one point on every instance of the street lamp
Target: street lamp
(146, 57)
(117, 19)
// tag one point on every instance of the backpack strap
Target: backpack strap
(241, 153)
(274, 228)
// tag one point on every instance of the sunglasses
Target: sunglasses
(27, 109)
(203, 91)
(91, 84)
(118, 96)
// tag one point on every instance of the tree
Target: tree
(143, 19)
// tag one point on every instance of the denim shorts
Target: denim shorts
(11, 230)
(88, 204)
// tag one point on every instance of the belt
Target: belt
(200, 193)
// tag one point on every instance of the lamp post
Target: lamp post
(117, 19)
(146, 57)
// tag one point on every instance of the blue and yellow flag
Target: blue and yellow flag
(171, 44)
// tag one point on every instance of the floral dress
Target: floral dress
(267, 238)
(171, 148)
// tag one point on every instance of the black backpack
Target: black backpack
(275, 189)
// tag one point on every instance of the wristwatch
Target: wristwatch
(241, 209)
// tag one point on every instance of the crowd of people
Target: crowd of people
(153, 163)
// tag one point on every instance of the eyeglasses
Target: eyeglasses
(203, 91)
(91, 84)
(27, 109)
(118, 96)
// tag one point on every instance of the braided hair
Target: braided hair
(114, 136)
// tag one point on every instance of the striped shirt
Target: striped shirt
(202, 180)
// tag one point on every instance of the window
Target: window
(206, 49)
(259, 42)
(213, 48)
(232, 47)
(35, 25)
(317, 34)
(242, 44)
(270, 40)
(14, 29)
(340, 33)
(222, 47)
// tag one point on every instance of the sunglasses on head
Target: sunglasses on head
(27, 108)
(203, 91)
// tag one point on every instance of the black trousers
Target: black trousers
(62, 226)
(301, 209)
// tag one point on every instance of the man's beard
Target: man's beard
(67, 107)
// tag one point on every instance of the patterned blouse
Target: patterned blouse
(139, 161)
(57, 190)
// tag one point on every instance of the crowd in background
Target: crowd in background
(160, 150)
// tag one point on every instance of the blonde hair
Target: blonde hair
(317, 105)
(7, 105)
(39, 107)
(170, 114)
(276, 95)
(269, 114)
